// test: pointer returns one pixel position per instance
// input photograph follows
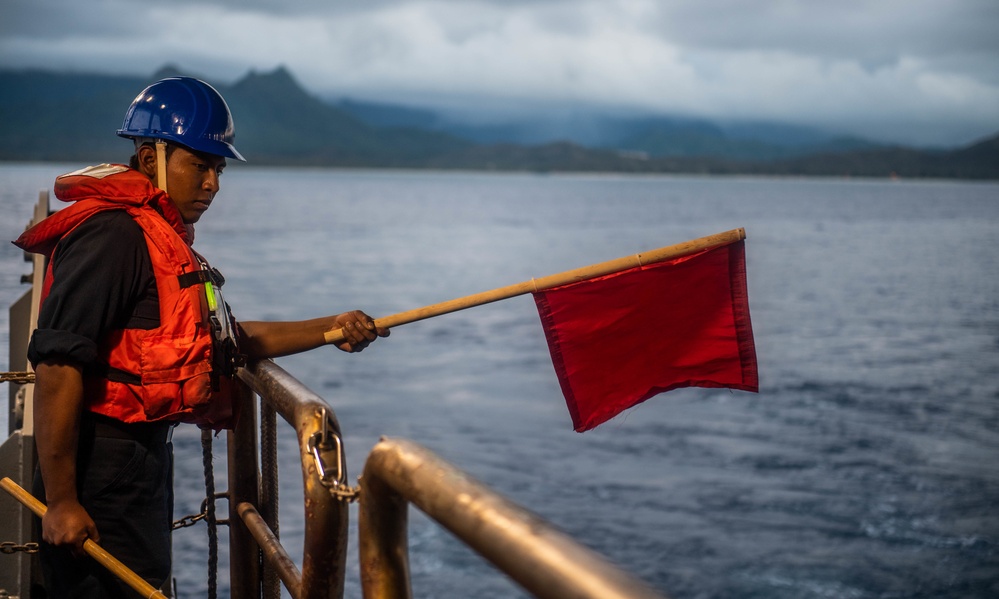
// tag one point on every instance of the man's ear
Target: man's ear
(146, 155)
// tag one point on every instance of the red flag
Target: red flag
(619, 339)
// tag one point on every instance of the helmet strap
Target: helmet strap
(161, 164)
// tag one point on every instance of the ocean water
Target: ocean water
(866, 467)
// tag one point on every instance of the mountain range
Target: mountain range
(56, 116)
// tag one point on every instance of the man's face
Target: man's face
(193, 181)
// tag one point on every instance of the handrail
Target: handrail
(244, 485)
(546, 562)
(543, 560)
(324, 556)
(272, 548)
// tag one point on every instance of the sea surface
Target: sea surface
(866, 467)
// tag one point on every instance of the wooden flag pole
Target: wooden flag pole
(91, 548)
(556, 280)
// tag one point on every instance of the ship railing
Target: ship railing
(257, 558)
(397, 473)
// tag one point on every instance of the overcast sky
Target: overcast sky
(912, 71)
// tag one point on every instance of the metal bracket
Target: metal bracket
(319, 443)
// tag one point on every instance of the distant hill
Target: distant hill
(72, 117)
(655, 137)
(979, 160)
(64, 116)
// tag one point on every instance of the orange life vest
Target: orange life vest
(172, 372)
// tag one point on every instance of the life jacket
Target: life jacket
(182, 370)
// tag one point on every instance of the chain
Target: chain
(21, 377)
(9, 547)
(190, 520)
(193, 519)
(346, 493)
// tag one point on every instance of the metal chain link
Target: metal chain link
(193, 519)
(20, 377)
(346, 493)
(190, 520)
(10, 547)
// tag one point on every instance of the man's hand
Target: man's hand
(67, 524)
(358, 330)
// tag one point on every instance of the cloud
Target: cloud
(916, 71)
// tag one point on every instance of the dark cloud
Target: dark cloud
(61, 19)
(910, 70)
(866, 30)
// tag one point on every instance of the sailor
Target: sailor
(133, 337)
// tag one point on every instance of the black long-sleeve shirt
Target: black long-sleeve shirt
(102, 281)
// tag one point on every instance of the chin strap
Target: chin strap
(161, 161)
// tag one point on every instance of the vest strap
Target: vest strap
(121, 376)
(199, 277)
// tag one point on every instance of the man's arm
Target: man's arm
(259, 339)
(58, 405)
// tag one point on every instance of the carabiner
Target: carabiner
(319, 441)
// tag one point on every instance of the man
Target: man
(133, 337)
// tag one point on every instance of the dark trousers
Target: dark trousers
(124, 480)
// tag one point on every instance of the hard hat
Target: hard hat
(186, 111)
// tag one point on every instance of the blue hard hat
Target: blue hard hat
(186, 111)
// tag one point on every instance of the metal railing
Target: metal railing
(544, 561)
(326, 514)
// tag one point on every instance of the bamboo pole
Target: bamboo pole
(564, 278)
(91, 548)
